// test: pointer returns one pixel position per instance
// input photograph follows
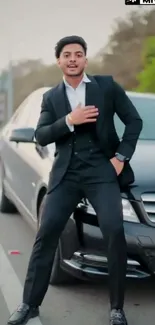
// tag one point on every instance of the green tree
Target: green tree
(122, 55)
(146, 76)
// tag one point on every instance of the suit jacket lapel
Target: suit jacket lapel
(95, 97)
(60, 101)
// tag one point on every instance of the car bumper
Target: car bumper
(89, 262)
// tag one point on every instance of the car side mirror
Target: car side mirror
(23, 135)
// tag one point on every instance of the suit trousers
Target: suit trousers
(105, 197)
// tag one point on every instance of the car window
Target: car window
(35, 108)
(146, 108)
(51, 149)
(34, 114)
(28, 112)
(17, 118)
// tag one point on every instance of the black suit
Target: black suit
(89, 173)
(109, 98)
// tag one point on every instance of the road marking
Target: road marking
(11, 287)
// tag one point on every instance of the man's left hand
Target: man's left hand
(118, 165)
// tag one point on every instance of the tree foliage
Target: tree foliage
(146, 76)
(129, 56)
(122, 55)
(42, 76)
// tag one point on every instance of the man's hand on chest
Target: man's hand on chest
(83, 114)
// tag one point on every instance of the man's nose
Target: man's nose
(72, 59)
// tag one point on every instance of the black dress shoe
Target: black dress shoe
(117, 317)
(22, 314)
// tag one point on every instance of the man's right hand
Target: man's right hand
(83, 114)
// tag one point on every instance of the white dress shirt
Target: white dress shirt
(76, 96)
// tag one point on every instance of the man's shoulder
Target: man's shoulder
(103, 78)
(105, 82)
(108, 80)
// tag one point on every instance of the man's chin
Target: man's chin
(74, 74)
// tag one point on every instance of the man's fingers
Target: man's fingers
(89, 120)
(92, 111)
(89, 108)
(91, 114)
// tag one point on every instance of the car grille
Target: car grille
(85, 204)
(149, 205)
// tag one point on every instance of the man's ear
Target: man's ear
(86, 63)
(58, 62)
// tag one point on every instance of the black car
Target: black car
(25, 168)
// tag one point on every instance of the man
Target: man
(89, 161)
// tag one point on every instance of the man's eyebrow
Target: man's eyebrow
(68, 52)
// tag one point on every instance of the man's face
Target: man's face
(72, 60)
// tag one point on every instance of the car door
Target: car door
(9, 150)
(34, 162)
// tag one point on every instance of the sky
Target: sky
(29, 29)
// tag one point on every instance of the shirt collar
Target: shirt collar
(85, 79)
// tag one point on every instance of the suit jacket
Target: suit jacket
(109, 97)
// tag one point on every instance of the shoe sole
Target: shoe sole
(32, 314)
(126, 323)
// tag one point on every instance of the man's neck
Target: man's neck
(74, 81)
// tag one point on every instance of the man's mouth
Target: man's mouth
(72, 66)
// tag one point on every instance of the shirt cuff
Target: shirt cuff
(71, 127)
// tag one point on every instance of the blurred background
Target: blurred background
(120, 38)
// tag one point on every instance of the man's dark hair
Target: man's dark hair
(69, 40)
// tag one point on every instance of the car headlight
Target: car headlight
(128, 212)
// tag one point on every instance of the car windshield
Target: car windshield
(146, 108)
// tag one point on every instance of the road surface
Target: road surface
(69, 305)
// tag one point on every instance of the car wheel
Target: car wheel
(58, 275)
(6, 206)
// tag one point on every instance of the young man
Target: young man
(89, 161)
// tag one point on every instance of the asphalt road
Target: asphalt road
(69, 305)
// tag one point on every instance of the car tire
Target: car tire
(58, 275)
(6, 206)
